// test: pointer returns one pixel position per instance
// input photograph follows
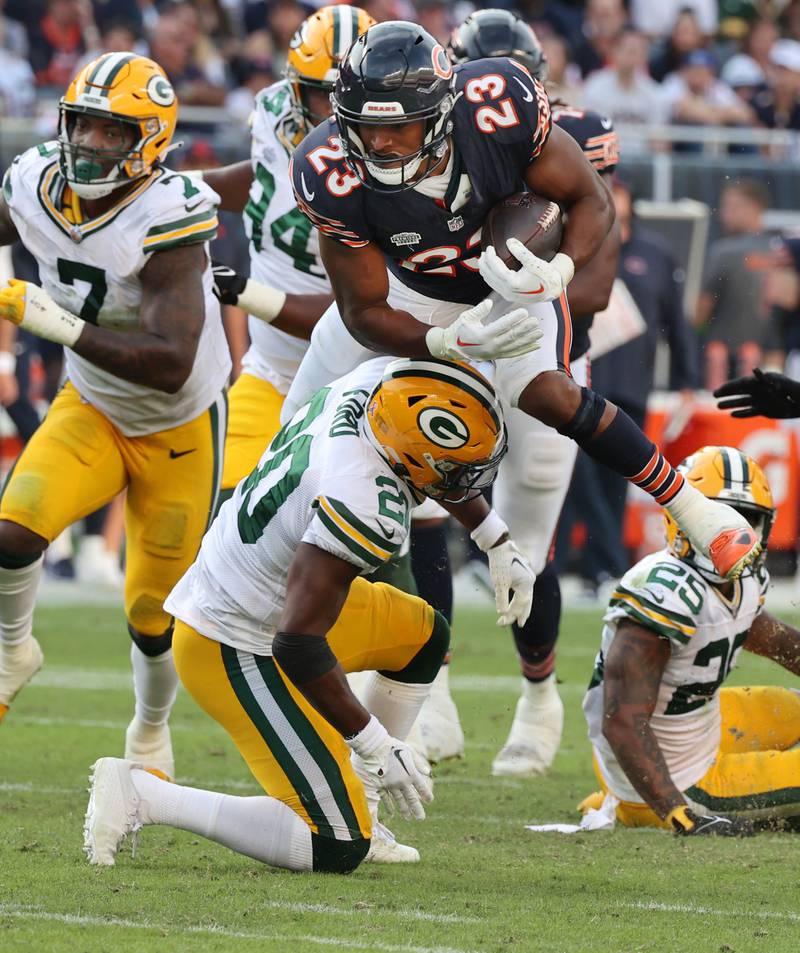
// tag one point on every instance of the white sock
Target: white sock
(259, 827)
(395, 704)
(540, 693)
(155, 684)
(17, 599)
(700, 518)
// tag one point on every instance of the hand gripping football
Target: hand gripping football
(534, 220)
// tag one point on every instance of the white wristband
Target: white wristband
(261, 301)
(490, 530)
(8, 362)
(46, 319)
(369, 739)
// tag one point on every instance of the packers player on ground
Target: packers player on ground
(677, 749)
(275, 611)
(127, 289)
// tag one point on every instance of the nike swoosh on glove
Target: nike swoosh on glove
(536, 280)
(468, 338)
(765, 394)
(511, 572)
(31, 307)
(686, 823)
(396, 771)
(228, 284)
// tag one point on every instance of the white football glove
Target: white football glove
(510, 570)
(391, 767)
(31, 307)
(468, 338)
(537, 280)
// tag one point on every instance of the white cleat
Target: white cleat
(437, 732)
(18, 665)
(113, 810)
(535, 732)
(384, 848)
(151, 746)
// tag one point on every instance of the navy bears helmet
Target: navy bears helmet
(488, 33)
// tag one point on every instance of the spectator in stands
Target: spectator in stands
(655, 18)
(434, 16)
(253, 75)
(601, 27)
(625, 376)
(59, 40)
(563, 76)
(731, 316)
(13, 37)
(760, 39)
(782, 296)
(172, 47)
(117, 35)
(744, 76)
(778, 107)
(625, 91)
(17, 82)
(283, 20)
(669, 53)
(695, 96)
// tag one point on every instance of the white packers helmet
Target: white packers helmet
(134, 91)
(439, 426)
(730, 476)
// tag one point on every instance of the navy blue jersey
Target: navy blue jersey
(595, 135)
(501, 123)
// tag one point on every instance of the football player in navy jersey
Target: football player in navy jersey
(535, 476)
(399, 182)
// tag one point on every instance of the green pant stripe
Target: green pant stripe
(219, 428)
(297, 779)
(313, 743)
(746, 802)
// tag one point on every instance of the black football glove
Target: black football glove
(228, 284)
(685, 823)
(765, 394)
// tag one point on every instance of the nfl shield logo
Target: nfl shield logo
(455, 223)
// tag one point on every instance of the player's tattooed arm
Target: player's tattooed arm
(161, 354)
(590, 289)
(562, 173)
(8, 230)
(361, 285)
(776, 640)
(631, 677)
(232, 184)
(317, 587)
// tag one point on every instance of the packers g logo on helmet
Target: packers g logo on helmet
(730, 476)
(315, 52)
(134, 91)
(439, 426)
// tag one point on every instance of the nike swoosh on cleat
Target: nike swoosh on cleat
(174, 454)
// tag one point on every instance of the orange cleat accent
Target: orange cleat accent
(3, 710)
(733, 550)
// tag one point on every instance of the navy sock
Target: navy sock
(430, 563)
(536, 640)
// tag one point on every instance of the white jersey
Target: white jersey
(706, 632)
(92, 269)
(320, 482)
(284, 247)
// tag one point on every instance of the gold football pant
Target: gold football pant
(78, 461)
(254, 417)
(755, 774)
(292, 751)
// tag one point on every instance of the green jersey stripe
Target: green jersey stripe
(363, 554)
(206, 216)
(653, 604)
(315, 746)
(648, 622)
(349, 517)
(760, 800)
(248, 701)
(194, 239)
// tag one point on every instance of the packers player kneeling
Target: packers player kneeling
(274, 613)
(678, 750)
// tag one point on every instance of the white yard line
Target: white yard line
(23, 913)
(707, 911)
(403, 913)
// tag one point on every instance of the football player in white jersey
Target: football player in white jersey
(274, 612)
(127, 289)
(675, 748)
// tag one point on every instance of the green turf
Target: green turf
(484, 884)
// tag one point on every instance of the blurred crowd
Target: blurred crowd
(706, 62)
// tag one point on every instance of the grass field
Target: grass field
(484, 884)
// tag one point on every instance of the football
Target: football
(534, 220)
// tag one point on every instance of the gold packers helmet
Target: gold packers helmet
(134, 91)
(730, 476)
(439, 426)
(315, 53)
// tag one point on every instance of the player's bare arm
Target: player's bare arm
(232, 184)
(561, 173)
(161, 354)
(8, 231)
(590, 289)
(631, 677)
(316, 589)
(776, 640)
